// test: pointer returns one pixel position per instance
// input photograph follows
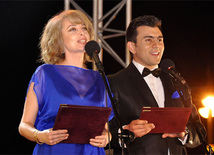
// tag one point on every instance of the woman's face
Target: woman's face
(75, 36)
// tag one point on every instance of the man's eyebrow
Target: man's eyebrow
(153, 37)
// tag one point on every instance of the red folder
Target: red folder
(166, 120)
(82, 122)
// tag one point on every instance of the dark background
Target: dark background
(188, 28)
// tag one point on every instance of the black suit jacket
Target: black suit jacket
(131, 93)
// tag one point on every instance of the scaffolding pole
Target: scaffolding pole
(98, 19)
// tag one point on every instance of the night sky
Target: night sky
(188, 29)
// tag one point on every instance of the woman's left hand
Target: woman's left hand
(102, 140)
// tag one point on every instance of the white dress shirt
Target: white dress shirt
(156, 88)
(154, 84)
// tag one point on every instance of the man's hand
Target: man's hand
(173, 135)
(140, 127)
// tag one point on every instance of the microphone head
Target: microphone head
(91, 47)
(166, 65)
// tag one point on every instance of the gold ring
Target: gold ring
(100, 145)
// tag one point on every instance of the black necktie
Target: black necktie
(155, 72)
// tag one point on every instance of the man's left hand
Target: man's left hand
(173, 135)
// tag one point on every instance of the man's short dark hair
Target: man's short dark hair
(146, 20)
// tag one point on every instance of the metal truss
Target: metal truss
(100, 26)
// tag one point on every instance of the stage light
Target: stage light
(208, 113)
(204, 112)
(208, 109)
(208, 102)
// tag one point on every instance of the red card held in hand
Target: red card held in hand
(82, 122)
(166, 120)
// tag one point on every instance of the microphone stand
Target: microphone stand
(202, 139)
(125, 135)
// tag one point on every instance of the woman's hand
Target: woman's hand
(51, 137)
(103, 140)
(26, 126)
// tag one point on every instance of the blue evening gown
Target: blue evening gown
(61, 84)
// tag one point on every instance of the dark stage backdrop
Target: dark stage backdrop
(188, 29)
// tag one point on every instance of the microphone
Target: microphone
(93, 49)
(168, 67)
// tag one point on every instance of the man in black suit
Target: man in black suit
(132, 91)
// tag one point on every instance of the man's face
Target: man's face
(148, 49)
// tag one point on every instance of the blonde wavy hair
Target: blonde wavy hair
(51, 42)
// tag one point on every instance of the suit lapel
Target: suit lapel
(141, 86)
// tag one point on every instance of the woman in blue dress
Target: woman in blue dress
(63, 79)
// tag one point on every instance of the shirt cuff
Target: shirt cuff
(119, 140)
(184, 141)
